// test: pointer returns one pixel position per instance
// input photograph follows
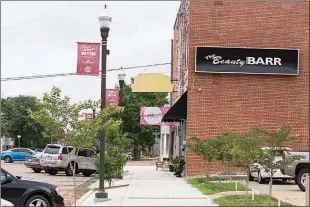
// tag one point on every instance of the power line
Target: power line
(72, 74)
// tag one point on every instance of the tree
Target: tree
(59, 118)
(234, 149)
(141, 136)
(244, 151)
(15, 120)
(275, 140)
(56, 115)
(204, 148)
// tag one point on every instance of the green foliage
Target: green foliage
(113, 165)
(16, 120)
(242, 200)
(141, 136)
(116, 143)
(56, 114)
(275, 140)
(53, 114)
(207, 187)
(244, 148)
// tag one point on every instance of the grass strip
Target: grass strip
(242, 200)
(208, 188)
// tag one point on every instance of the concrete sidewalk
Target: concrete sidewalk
(148, 187)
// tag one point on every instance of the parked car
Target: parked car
(37, 149)
(58, 157)
(33, 162)
(5, 203)
(25, 193)
(257, 171)
(299, 168)
(16, 154)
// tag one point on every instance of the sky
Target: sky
(39, 37)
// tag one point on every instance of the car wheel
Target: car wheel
(251, 178)
(37, 200)
(7, 159)
(301, 178)
(87, 174)
(261, 180)
(52, 171)
(36, 170)
(69, 171)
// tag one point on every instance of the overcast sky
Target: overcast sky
(40, 38)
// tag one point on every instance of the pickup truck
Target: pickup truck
(299, 168)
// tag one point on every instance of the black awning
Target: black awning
(178, 112)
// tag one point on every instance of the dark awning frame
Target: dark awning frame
(178, 112)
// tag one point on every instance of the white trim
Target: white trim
(279, 74)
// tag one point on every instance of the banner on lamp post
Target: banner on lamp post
(88, 116)
(88, 59)
(153, 116)
(111, 97)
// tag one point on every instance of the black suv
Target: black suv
(25, 193)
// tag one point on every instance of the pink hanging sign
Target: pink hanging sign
(153, 116)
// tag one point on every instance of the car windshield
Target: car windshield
(52, 150)
(5, 175)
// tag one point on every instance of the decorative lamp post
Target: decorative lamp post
(18, 137)
(121, 81)
(104, 22)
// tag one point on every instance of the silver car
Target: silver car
(58, 157)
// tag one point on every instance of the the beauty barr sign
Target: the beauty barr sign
(112, 97)
(153, 116)
(247, 60)
(88, 59)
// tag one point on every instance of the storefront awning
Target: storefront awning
(178, 112)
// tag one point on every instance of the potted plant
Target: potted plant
(171, 164)
(180, 162)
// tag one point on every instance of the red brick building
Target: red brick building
(217, 102)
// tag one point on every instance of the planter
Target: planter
(178, 174)
(171, 168)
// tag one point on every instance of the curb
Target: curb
(83, 198)
(86, 195)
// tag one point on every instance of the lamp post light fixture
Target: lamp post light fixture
(121, 81)
(18, 137)
(104, 22)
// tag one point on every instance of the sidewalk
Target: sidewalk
(148, 187)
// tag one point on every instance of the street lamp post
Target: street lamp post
(121, 81)
(18, 137)
(104, 22)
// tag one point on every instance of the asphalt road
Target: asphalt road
(65, 183)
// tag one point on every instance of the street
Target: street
(64, 182)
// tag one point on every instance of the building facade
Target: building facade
(217, 102)
(6, 143)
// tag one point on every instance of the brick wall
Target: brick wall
(238, 102)
(180, 56)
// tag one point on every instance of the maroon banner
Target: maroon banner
(88, 116)
(88, 59)
(111, 97)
